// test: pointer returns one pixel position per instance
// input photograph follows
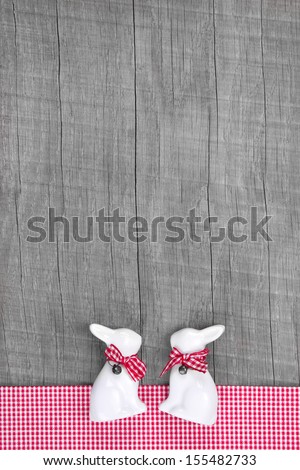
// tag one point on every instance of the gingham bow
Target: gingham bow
(194, 360)
(134, 366)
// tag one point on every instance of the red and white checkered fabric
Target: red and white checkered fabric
(195, 360)
(135, 367)
(58, 418)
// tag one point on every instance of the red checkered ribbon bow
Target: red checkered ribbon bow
(194, 360)
(134, 366)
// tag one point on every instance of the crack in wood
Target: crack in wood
(264, 188)
(135, 173)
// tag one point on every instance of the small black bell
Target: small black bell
(182, 370)
(117, 369)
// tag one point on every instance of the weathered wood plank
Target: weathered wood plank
(175, 89)
(154, 108)
(215, 144)
(254, 166)
(72, 66)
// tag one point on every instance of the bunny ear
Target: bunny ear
(212, 333)
(102, 332)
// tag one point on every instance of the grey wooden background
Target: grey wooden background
(154, 107)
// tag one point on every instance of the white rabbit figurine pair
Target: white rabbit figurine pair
(193, 394)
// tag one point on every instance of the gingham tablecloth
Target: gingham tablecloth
(58, 418)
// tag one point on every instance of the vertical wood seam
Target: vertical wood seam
(208, 169)
(60, 107)
(60, 295)
(19, 190)
(210, 244)
(264, 175)
(215, 71)
(16, 94)
(135, 174)
(7, 366)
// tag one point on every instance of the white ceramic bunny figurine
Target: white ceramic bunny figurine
(115, 392)
(193, 394)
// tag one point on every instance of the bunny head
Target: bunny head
(127, 341)
(189, 340)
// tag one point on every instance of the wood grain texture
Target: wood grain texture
(155, 108)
